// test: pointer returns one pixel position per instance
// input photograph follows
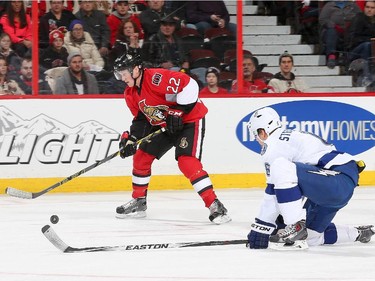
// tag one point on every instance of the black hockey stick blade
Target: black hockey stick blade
(32, 195)
(52, 236)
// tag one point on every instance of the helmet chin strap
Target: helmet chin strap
(135, 78)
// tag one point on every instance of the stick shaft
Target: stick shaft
(81, 172)
(32, 195)
(52, 236)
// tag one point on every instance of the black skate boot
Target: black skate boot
(218, 213)
(365, 233)
(135, 208)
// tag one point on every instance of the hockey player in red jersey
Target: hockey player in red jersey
(163, 98)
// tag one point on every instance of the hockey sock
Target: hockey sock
(346, 233)
(208, 197)
(142, 162)
(330, 234)
(333, 234)
(192, 168)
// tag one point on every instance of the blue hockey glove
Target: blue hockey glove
(260, 233)
(174, 121)
(127, 145)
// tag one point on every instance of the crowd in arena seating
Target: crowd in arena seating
(195, 37)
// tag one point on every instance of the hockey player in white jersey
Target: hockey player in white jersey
(308, 182)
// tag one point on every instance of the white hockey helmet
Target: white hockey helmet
(264, 118)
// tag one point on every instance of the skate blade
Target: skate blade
(296, 246)
(136, 215)
(221, 219)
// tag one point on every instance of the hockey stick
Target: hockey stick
(51, 235)
(32, 195)
(296, 246)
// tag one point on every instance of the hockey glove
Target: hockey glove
(127, 145)
(260, 233)
(174, 121)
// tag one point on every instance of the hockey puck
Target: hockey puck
(54, 219)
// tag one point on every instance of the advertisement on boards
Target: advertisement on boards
(42, 138)
(350, 128)
(47, 140)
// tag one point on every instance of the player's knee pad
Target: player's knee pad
(142, 162)
(284, 173)
(191, 167)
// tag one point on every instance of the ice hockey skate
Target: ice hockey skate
(218, 213)
(365, 233)
(293, 237)
(135, 208)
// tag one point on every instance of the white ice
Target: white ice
(87, 219)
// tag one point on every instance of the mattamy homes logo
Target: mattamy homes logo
(49, 141)
(349, 128)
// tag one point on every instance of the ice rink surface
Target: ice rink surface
(88, 219)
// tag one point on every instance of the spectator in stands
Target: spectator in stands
(137, 6)
(152, 16)
(360, 50)
(308, 21)
(57, 17)
(164, 49)
(45, 5)
(208, 14)
(212, 80)
(3, 6)
(76, 80)
(284, 10)
(252, 82)
(127, 41)
(335, 19)
(56, 54)
(78, 40)
(265, 8)
(285, 81)
(17, 24)
(42, 8)
(361, 32)
(122, 13)
(7, 86)
(361, 4)
(25, 76)
(13, 60)
(95, 23)
(105, 6)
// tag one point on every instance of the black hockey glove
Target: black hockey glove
(127, 145)
(260, 234)
(174, 121)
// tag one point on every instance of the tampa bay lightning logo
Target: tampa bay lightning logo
(325, 173)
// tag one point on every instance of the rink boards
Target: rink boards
(45, 140)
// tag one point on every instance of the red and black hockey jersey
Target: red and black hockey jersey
(162, 89)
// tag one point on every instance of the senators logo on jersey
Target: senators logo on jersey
(155, 114)
(183, 143)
